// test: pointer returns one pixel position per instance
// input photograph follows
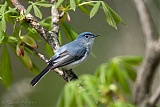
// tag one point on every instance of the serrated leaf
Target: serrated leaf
(2, 9)
(3, 24)
(111, 16)
(29, 9)
(37, 12)
(29, 41)
(11, 10)
(73, 4)
(5, 67)
(58, 3)
(95, 9)
(43, 4)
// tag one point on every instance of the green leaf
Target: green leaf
(17, 31)
(29, 41)
(37, 12)
(73, 4)
(58, 3)
(121, 78)
(27, 61)
(95, 9)
(3, 8)
(43, 4)
(130, 71)
(11, 10)
(84, 9)
(3, 24)
(28, 9)
(132, 60)
(88, 99)
(48, 49)
(1, 36)
(69, 32)
(60, 37)
(111, 16)
(5, 67)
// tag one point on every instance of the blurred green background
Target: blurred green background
(126, 40)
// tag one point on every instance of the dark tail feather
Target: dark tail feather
(40, 76)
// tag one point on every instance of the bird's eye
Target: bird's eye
(86, 36)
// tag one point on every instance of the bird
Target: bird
(69, 55)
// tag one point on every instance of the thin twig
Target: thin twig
(50, 36)
(35, 24)
(41, 56)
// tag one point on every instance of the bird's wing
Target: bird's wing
(68, 56)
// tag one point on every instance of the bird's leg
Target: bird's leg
(69, 75)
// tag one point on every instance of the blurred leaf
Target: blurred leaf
(5, 67)
(95, 9)
(37, 12)
(43, 4)
(11, 10)
(130, 71)
(48, 49)
(16, 31)
(88, 100)
(1, 36)
(12, 39)
(84, 10)
(29, 41)
(28, 9)
(60, 37)
(3, 8)
(121, 104)
(73, 4)
(27, 61)
(121, 78)
(111, 16)
(101, 73)
(68, 30)
(3, 24)
(58, 3)
(132, 60)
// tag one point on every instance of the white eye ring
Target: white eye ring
(86, 36)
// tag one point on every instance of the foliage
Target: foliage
(109, 86)
(19, 43)
(106, 87)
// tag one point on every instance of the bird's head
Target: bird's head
(87, 38)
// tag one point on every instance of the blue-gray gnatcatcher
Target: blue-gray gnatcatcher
(69, 55)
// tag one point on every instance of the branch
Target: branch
(41, 56)
(35, 24)
(154, 98)
(152, 55)
(50, 36)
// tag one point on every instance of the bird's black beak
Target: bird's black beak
(96, 35)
